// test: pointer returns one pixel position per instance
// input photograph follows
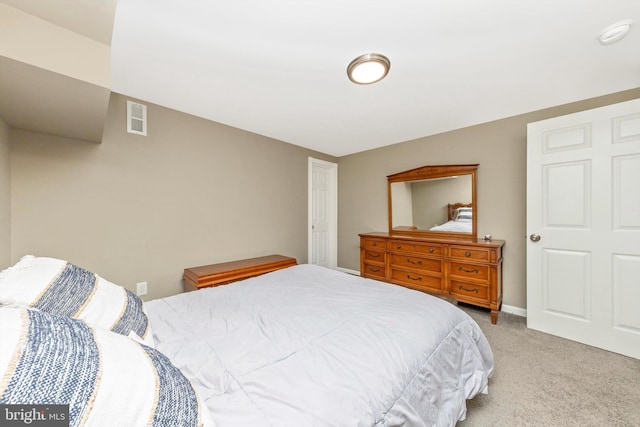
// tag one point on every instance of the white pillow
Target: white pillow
(104, 377)
(464, 214)
(58, 287)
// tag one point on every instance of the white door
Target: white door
(583, 225)
(323, 213)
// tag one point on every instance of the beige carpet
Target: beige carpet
(543, 380)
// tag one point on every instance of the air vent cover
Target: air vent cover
(136, 118)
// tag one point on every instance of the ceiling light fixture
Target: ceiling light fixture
(368, 68)
(615, 32)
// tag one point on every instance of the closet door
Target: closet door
(323, 213)
(583, 225)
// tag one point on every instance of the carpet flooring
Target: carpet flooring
(544, 380)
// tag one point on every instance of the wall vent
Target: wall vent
(136, 118)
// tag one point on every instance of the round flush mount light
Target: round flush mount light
(615, 32)
(368, 68)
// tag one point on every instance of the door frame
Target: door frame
(333, 209)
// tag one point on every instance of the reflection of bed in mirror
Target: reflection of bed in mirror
(459, 218)
(419, 203)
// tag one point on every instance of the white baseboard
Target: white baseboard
(349, 271)
(514, 310)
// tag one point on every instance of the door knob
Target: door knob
(535, 237)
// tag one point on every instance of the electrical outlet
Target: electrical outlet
(141, 288)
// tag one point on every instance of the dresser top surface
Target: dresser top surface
(454, 241)
(212, 269)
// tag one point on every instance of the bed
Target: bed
(459, 218)
(302, 346)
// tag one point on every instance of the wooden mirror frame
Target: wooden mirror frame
(437, 171)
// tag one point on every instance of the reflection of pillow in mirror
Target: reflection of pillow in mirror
(464, 214)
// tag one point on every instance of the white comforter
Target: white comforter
(309, 346)
(456, 226)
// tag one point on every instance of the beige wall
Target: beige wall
(31, 40)
(402, 204)
(195, 192)
(139, 208)
(500, 149)
(432, 199)
(5, 197)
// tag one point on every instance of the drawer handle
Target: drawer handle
(374, 270)
(431, 250)
(475, 270)
(467, 253)
(374, 244)
(468, 290)
(398, 246)
(410, 261)
(419, 279)
(374, 255)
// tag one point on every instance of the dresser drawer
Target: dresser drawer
(419, 248)
(469, 253)
(372, 243)
(416, 280)
(472, 292)
(425, 264)
(375, 256)
(373, 271)
(469, 271)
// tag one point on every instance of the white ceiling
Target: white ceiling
(278, 68)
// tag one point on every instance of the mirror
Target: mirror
(437, 201)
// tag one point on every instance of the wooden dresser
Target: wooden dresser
(220, 274)
(467, 270)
